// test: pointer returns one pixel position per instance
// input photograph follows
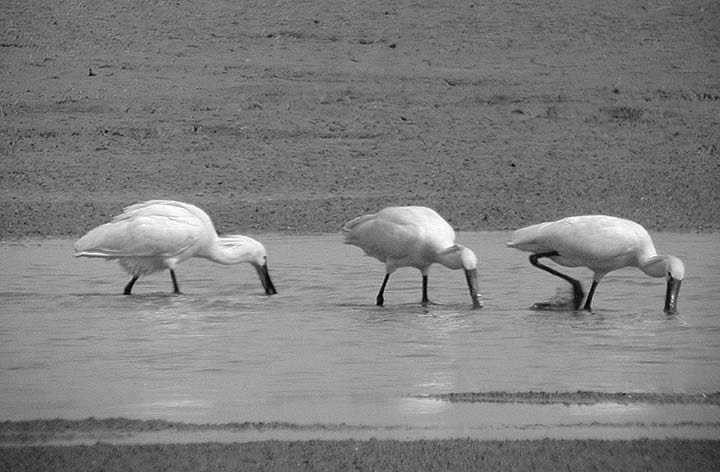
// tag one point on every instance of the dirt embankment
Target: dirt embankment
(28, 445)
(454, 454)
(298, 116)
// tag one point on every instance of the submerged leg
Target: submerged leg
(425, 299)
(176, 288)
(590, 295)
(380, 299)
(578, 294)
(129, 286)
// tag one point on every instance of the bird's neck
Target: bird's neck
(451, 261)
(664, 266)
(451, 257)
(229, 250)
(655, 266)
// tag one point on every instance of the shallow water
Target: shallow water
(321, 352)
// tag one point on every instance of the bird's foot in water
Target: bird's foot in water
(563, 300)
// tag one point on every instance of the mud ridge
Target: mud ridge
(579, 397)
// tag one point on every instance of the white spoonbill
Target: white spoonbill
(602, 244)
(158, 234)
(412, 236)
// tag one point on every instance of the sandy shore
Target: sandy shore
(299, 116)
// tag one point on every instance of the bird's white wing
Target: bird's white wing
(604, 238)
(380, 237)
(592, 237)
(167, 208)
(437, 231)
(145, 229)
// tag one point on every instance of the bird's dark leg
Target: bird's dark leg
(578, 293)
(176, 288)
(425, 299)
(129, 286)
(380, 299)
(588, 300)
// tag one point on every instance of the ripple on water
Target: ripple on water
(320, 350)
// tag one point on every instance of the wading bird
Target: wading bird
(157, 235)
(602, 244)
(412, 236)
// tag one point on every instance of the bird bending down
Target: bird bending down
(602, 244)
(412, 236)
(159, 234)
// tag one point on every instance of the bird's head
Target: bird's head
(673, 269)
(460, 257)
(468, 259)
(238, 248)
(665, 266)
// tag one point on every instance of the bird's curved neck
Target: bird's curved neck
(451, 261)
(655, 266)
(228, 250)
(452, 257)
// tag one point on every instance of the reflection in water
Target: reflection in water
(320, 350)
(421, 406)
(165, 406)
(609, 410)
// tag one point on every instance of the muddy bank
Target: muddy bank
(46, 430)
(122, 444)
(456, 454)
(300, 116)
(579, 398)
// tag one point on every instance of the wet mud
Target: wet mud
(127, 444)
(579, 398)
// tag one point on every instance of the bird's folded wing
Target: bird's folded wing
(138, 236)
(590, 237)
(379, 238)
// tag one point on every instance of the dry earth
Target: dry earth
(298, 115)
(447, 455)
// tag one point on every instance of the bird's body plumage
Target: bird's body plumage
(410, 236)
(150, 236)
(599, 242)
(401, 236)
(156, 235)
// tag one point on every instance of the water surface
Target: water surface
(320, 352)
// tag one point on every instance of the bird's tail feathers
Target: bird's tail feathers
(526, 239)
(350, 226)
